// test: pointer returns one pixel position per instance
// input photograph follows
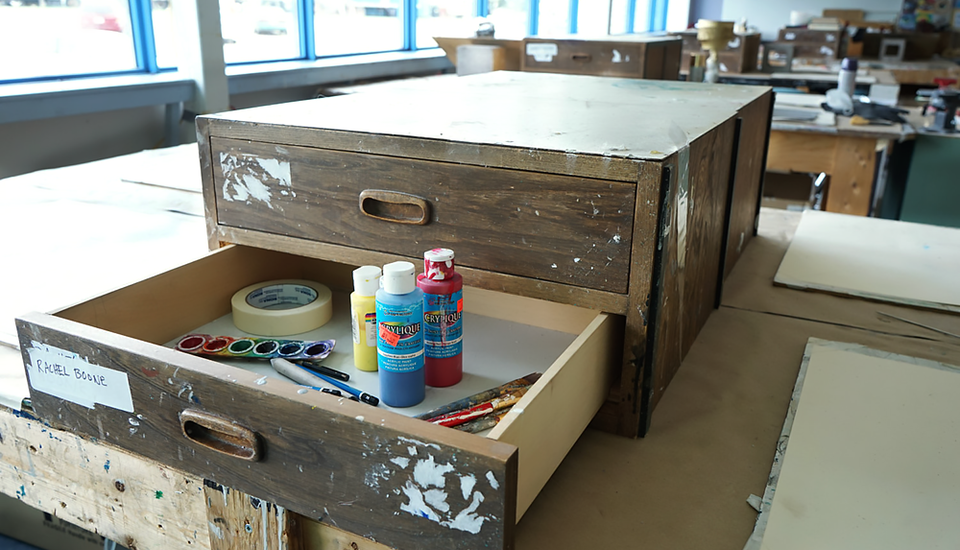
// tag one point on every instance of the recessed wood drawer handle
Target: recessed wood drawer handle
(582, 57)
(393, 206)
(220, 434)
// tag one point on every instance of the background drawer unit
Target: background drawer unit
(651, 57)
(740, 56)
(808, 43)
(343, 463)
(628, 196)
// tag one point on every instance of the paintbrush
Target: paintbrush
(477, 398)
(482, 423)
(483, 409)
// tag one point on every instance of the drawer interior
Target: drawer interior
(506, 337)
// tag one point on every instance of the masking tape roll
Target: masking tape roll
(282, 307)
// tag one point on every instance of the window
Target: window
(69, 38)
(259, 30)
(358, 26)
(57, 38)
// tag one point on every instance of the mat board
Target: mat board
(887, 260)
(867, 457)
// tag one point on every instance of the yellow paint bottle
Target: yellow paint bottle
(363, 313)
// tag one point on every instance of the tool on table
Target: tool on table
(477, 398)
(944, 101)
(363, 396)
(315, 381)
(928, 327)
(322, 369)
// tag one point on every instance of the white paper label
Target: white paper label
(66, 375)
(543, 52)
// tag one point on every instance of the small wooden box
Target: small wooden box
(814, 44)
(606, 210)
(630, 56)
(740, 56)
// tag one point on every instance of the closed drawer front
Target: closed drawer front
(555, 228)
(588, 58)
(365, 469)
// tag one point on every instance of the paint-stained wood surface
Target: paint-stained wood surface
(141, 504)
(748, 183)
(237, 521)
(638, 56)
(691, 251)
(355, 466)
(569, 230)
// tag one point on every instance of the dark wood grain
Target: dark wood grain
(748, 183)
(633, 58)
(554, 228)
(687, 277)
(325, 458)
(501, 156)
(206, 179)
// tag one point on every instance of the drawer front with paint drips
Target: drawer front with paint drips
(368, 470)
(563, 229)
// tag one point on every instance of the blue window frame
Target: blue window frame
(406, 13)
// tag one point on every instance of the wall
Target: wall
(769, 16)
(62, 141)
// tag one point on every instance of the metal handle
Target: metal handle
(392, 206)
(221, 434)
(584, 57)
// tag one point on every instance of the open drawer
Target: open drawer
(105, 368)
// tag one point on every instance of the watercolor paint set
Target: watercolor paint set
(255, 348)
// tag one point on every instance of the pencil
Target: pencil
(477, 398)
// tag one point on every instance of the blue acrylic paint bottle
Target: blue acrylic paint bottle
(400, 336)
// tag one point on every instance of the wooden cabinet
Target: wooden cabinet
(593, 219)
(740, 56)
(629, 56)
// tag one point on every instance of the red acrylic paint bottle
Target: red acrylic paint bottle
(442, 290)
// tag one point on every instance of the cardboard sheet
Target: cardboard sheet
(893, 261)
(868, 455)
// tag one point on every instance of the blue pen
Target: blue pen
(361, 395)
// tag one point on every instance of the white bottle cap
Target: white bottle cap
(366, 280)
(438, 255)
(399, 278)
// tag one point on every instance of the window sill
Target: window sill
(40, 100)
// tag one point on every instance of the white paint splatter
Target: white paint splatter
(417, 442)
(616, 238)
(278, 170)
(417, 506)
(493, 480)
(412, 451)
(215, 530)
(261, 381)
(401, 461)
(553, 266)
(302, 391)
(437, 499)
(428, 473)
(468, 520)
(360, 418)
(576, 260)
(467, 484)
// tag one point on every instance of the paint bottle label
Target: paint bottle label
(370, 322)
(442, 324)
(366, 334)
(400, 338)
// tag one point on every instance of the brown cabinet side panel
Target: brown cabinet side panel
(556, 228)
(393, 479)
(691, 251)
(748, 184)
